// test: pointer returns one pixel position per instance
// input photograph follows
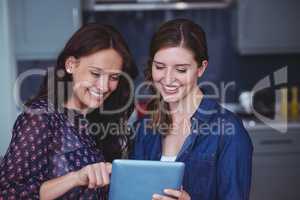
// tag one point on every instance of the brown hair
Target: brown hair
(90, 39)
(175, 33)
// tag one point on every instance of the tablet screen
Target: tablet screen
(140, 179)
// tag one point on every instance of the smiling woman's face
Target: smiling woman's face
(95, 77)
(175, 73)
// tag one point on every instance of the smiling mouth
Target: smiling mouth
(170, 89)
(95, 94)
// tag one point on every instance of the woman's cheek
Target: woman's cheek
(113, 86)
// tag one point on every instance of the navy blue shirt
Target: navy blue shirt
(217, 153)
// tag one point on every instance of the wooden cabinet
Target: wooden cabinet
(41, 28)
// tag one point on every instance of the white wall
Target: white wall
(7, 77)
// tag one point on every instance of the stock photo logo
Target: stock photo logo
(276, 80)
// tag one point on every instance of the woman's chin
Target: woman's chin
(171, 99)
(93, 103)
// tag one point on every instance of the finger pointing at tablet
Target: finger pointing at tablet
(94, 175)
(108, 167)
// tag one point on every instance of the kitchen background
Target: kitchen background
(247, 41)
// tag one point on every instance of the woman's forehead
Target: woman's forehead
(105, 69)
(105, 60)
(175, 55)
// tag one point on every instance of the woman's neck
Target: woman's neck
(187, 106)
(73, 104)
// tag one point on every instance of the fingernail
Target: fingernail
(155, 196)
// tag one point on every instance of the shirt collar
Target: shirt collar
(206, 109)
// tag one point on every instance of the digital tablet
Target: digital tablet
(140, 179)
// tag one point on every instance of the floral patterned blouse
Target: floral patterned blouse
(47, 143)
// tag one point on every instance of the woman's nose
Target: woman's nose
(169, 76)
(103, 83)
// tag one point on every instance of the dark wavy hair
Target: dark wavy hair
(175, 33)
(90, 39)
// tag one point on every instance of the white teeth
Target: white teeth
(170, 89)
(96, 94)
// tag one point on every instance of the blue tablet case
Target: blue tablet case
(137, 179)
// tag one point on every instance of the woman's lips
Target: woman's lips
(170, 89)
(95, 94)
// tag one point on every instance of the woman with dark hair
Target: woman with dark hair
(183, 124)
(53, 152)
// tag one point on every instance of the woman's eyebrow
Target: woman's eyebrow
(95, 68)
(115, 74)
(160, 63)
(182, 65)
(176, 65)
(101, 70)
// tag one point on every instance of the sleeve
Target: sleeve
(24, 167)
(235, 164)
(137, 153)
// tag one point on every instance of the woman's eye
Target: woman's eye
(159, 67)
(181, 70)
(115, 77)
(95, 74)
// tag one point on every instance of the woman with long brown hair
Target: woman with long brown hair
(53, 152)
(183, 124)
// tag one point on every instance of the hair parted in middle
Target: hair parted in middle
(182, 33)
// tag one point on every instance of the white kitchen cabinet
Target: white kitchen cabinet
(276, 165)
(268, 26)
(8, 111)
(41, 28)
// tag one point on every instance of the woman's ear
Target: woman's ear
(202, 69)
(70, 64)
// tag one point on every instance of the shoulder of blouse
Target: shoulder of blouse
(39, 110)
(41, 106)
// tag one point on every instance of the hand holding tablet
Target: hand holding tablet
(172, 195)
